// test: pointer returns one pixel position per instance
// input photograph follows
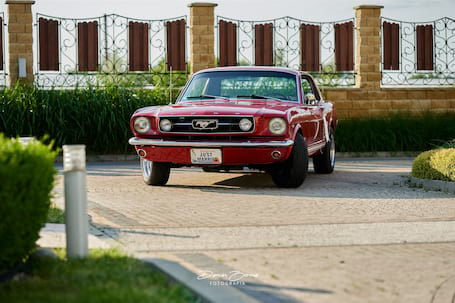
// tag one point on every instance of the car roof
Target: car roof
(254, 68)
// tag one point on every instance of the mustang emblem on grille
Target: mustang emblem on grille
(205, 124)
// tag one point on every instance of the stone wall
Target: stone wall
(366, 98)
(356, 102)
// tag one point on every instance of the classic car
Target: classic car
(267, 118)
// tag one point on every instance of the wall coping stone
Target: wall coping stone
(20, 2)
(202, 4)
(368, 6)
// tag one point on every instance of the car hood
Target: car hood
(221, 107)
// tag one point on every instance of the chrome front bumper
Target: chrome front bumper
(250, 144)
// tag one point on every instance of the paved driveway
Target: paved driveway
(357, 235)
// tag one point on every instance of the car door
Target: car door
(313, 127)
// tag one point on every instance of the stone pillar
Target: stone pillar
(20, 39)
(202, 36)
(368, 47)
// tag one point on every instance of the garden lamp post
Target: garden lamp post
(76, 218)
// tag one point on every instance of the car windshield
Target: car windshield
(227, 85)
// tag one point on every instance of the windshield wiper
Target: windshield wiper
(257, 97)
(207, 97)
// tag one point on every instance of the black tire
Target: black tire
(209, 169)
(155, 173)
(324, 163)
(292, 172)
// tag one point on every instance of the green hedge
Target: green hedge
(98, 118)
(26, 180)
(395, 132)
(436, 164)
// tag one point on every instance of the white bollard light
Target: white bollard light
(76, 218)
(26, 140)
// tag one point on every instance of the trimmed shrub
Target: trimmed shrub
(436, 164)
(26, 180)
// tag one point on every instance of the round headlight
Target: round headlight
(142, 125)
(165, 125)
(277, 126)
(245, 124)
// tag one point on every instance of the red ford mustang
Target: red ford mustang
(265, 118)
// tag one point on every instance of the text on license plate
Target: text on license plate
(206, 156)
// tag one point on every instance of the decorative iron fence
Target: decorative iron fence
(3, 73)
(325, 49)
(110, 49)
(418, 53)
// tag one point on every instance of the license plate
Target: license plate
(205, 156)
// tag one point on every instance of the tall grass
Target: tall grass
(98, 118)
(395, 132)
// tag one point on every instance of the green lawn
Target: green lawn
(106, 276)
(55, 215)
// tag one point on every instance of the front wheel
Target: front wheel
(155, 173)
(324, 163)
(292, 172)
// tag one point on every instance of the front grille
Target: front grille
(214, 138)
(207, 124)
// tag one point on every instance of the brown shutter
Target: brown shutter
(344, 46)
(390, 37)
(138, 46)
(424, 47)
(176, 44)
(309, 47)
(87, 36)
(263, 44)
(48, 44)
(1, 43)
(228, 43)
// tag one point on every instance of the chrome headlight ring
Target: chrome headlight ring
(142, 125)
(277, 126)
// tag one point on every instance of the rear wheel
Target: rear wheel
(155, 173)
(292, 172)
(324, 163)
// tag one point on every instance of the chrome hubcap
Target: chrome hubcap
(146, 167)
(332, 151)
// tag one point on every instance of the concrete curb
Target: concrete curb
(376, 155)
(209, 293)
(106, 158)
(436, 185)
(135, 158)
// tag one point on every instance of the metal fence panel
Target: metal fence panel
(293, 43)
(426, 53)
(109, 50)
